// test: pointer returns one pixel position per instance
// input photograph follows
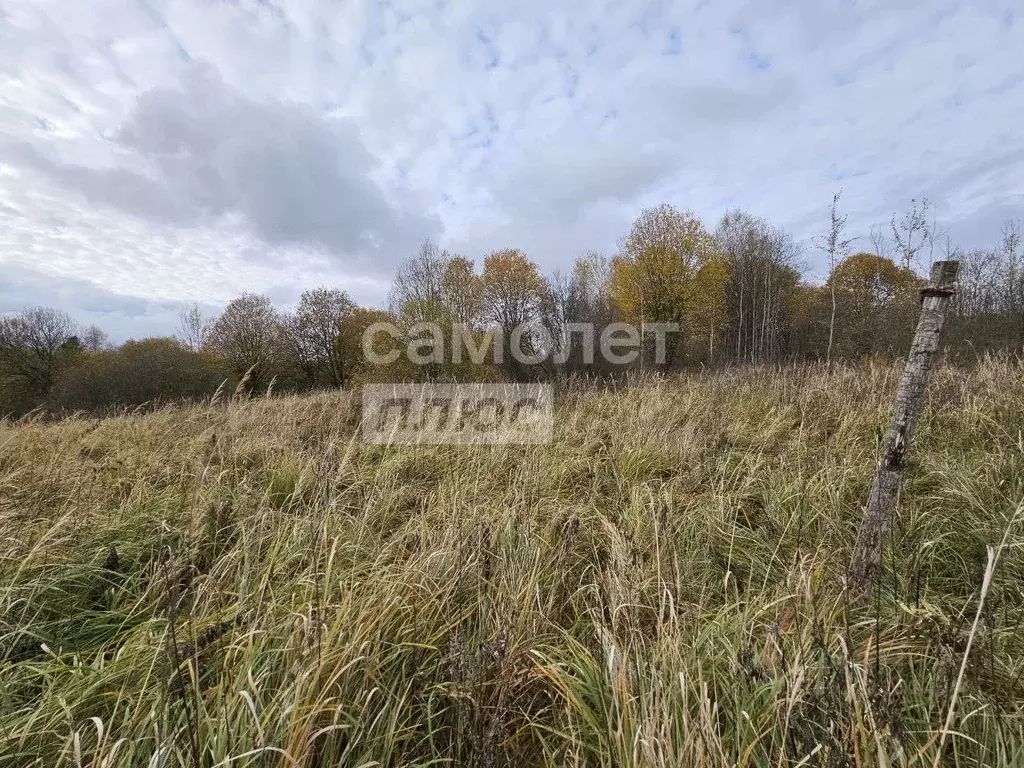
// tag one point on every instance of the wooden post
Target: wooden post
(866, 566)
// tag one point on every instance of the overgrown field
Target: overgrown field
(250, 585)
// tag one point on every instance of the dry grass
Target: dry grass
(247, 584)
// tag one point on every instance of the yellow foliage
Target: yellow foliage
(669, 271)
(512, 288)
(871, 280)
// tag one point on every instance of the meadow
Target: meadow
(249, 584)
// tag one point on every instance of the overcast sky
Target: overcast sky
(159, 152)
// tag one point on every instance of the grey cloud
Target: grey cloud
(722, 105)
(562, 184)
(295, 176)
(116, 187)
(120, 315)
(681, 109)
(765, 107)
(984, 229)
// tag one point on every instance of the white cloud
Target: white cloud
(192, 150)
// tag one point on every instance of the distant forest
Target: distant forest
(737, 292)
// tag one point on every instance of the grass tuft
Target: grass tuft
(247, 583)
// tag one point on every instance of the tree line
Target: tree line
(737, 294)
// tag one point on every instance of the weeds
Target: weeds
(245, 583)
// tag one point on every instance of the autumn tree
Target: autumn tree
(33, 346)
(193, 328)
(461, 291)
(662, 252)
(312, 334)
(836, 246)
(249, 335)
(875, 303)
(513, 294)
(666, 229)
(433, 294)
(705, 308)
(988, 309)
(652, 287)
(913, 233)
(651, 278)
(1011, 281)
(352, 332)
(808, 312)
(761, 262)
(418, 287)
(580, 297)
(94, 339)
(137, 372)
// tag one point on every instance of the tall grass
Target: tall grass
(248, 584)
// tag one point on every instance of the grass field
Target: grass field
(250, 585)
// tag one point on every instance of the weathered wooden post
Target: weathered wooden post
(866, 566)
